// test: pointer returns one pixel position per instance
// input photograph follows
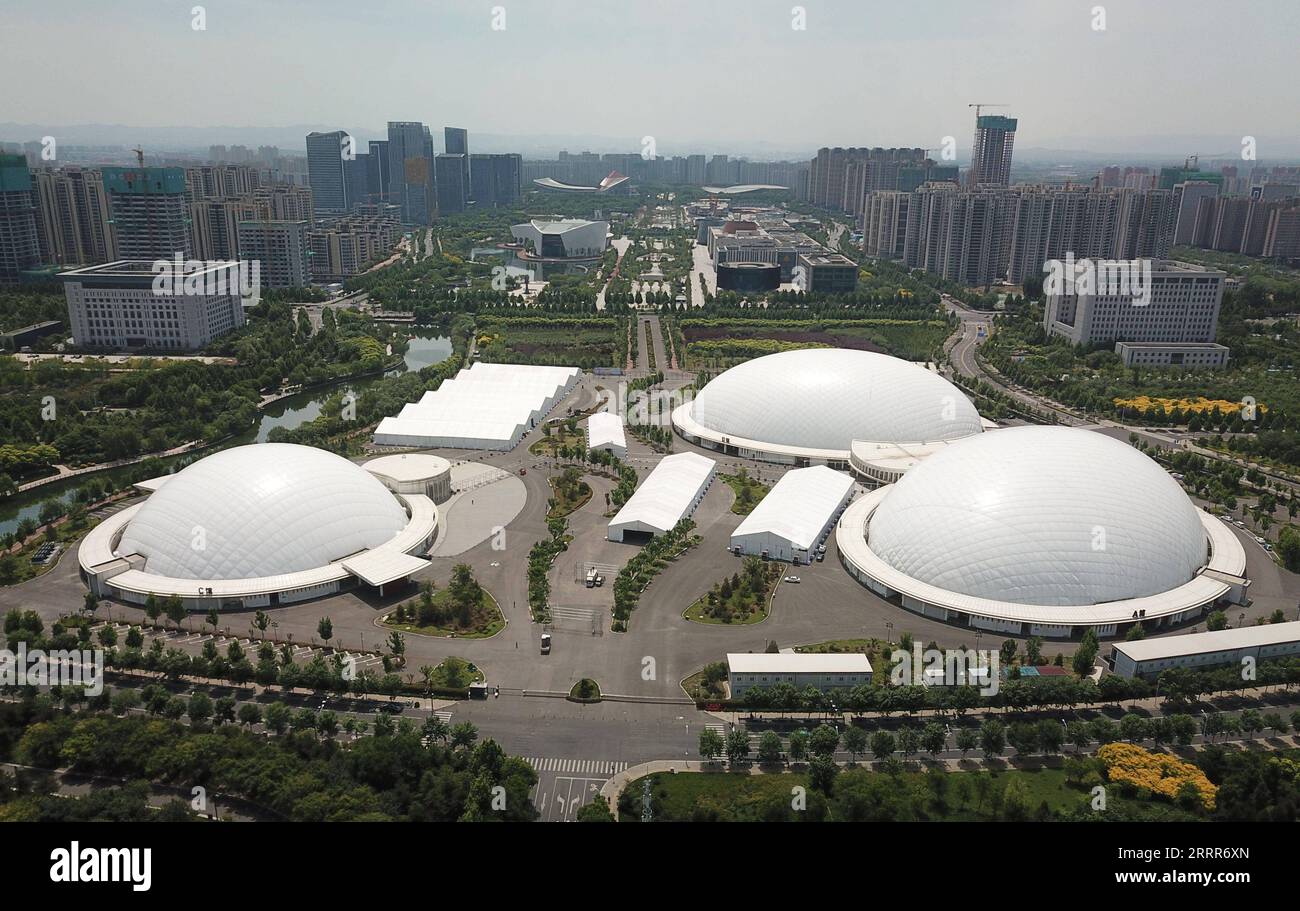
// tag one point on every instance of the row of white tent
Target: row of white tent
(487, 406)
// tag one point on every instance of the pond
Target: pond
(425, 349)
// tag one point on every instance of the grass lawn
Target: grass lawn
(749, 492)
(743, 797)
(442, 618)
(19, 567)
(743, 604)
(454, 673)
(567, 499)
(585, 690)
(559, 439)
(695, 688)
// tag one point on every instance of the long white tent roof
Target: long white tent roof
(664, 497)
(488, 405)
(799, 506)
(605, 428)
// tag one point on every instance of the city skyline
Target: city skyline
(851, 57)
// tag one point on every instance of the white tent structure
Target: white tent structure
(795, 516)
(488, 406)
(668, 495)
(605, 431)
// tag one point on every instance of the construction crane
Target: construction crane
(139, 157)
(985, 105)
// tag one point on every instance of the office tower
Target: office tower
(281, 249)
(150, 209)
(116, 305)
(1188, 196)
(327, 170)
(73, 218)
(411, 176)
(377, 178)
(1181, 306)
(495, 180)
(449, 180)
(456, 142)
(19, 242)
(356, 174)
(995, 137)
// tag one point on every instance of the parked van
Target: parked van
(546, 643)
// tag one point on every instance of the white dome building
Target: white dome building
(1042, 530)
(810, 405)
(259, 525)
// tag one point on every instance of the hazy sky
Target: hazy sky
(706, 74)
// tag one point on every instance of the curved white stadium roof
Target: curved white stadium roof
(825, 398)
(265, 509)
(1040, 515)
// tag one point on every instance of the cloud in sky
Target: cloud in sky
(693, 73)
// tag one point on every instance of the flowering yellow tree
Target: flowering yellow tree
(1159, 773)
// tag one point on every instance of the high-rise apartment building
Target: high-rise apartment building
(150, 208)
(995, 137)
(19, 242)
(281, 249)
(73, 217)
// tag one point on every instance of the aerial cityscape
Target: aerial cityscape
(666, 441)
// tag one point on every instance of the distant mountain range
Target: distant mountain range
(1063, 151)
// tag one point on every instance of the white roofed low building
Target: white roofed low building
(670, 493)
(567, 238)
(488, 406)
(605, 431)
(412, 472)
(795, 516)
(1148, 657)
(826, 672)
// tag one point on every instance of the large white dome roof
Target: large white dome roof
(261, 510)
(824, 398)
(1041, 515)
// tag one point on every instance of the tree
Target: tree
(597, 810)
(992, 737)
(737, 745)
(249, 714)
(261, 621)
(200, 708)
(966, 740)
(1078, 735)
(1217, 620)
(463, 734)
(769, 747)
(1133, 727)
(175, 610)
(855, 741)
(1086, 654)
(824, 741)
(325, 628)
(934, 737)
(1051, 735)
(277, 717)
(821, 774)
(799, 744)
(882, 745)
(711, 744)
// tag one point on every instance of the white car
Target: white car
(792, 578)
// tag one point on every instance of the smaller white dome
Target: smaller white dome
(265, 509)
